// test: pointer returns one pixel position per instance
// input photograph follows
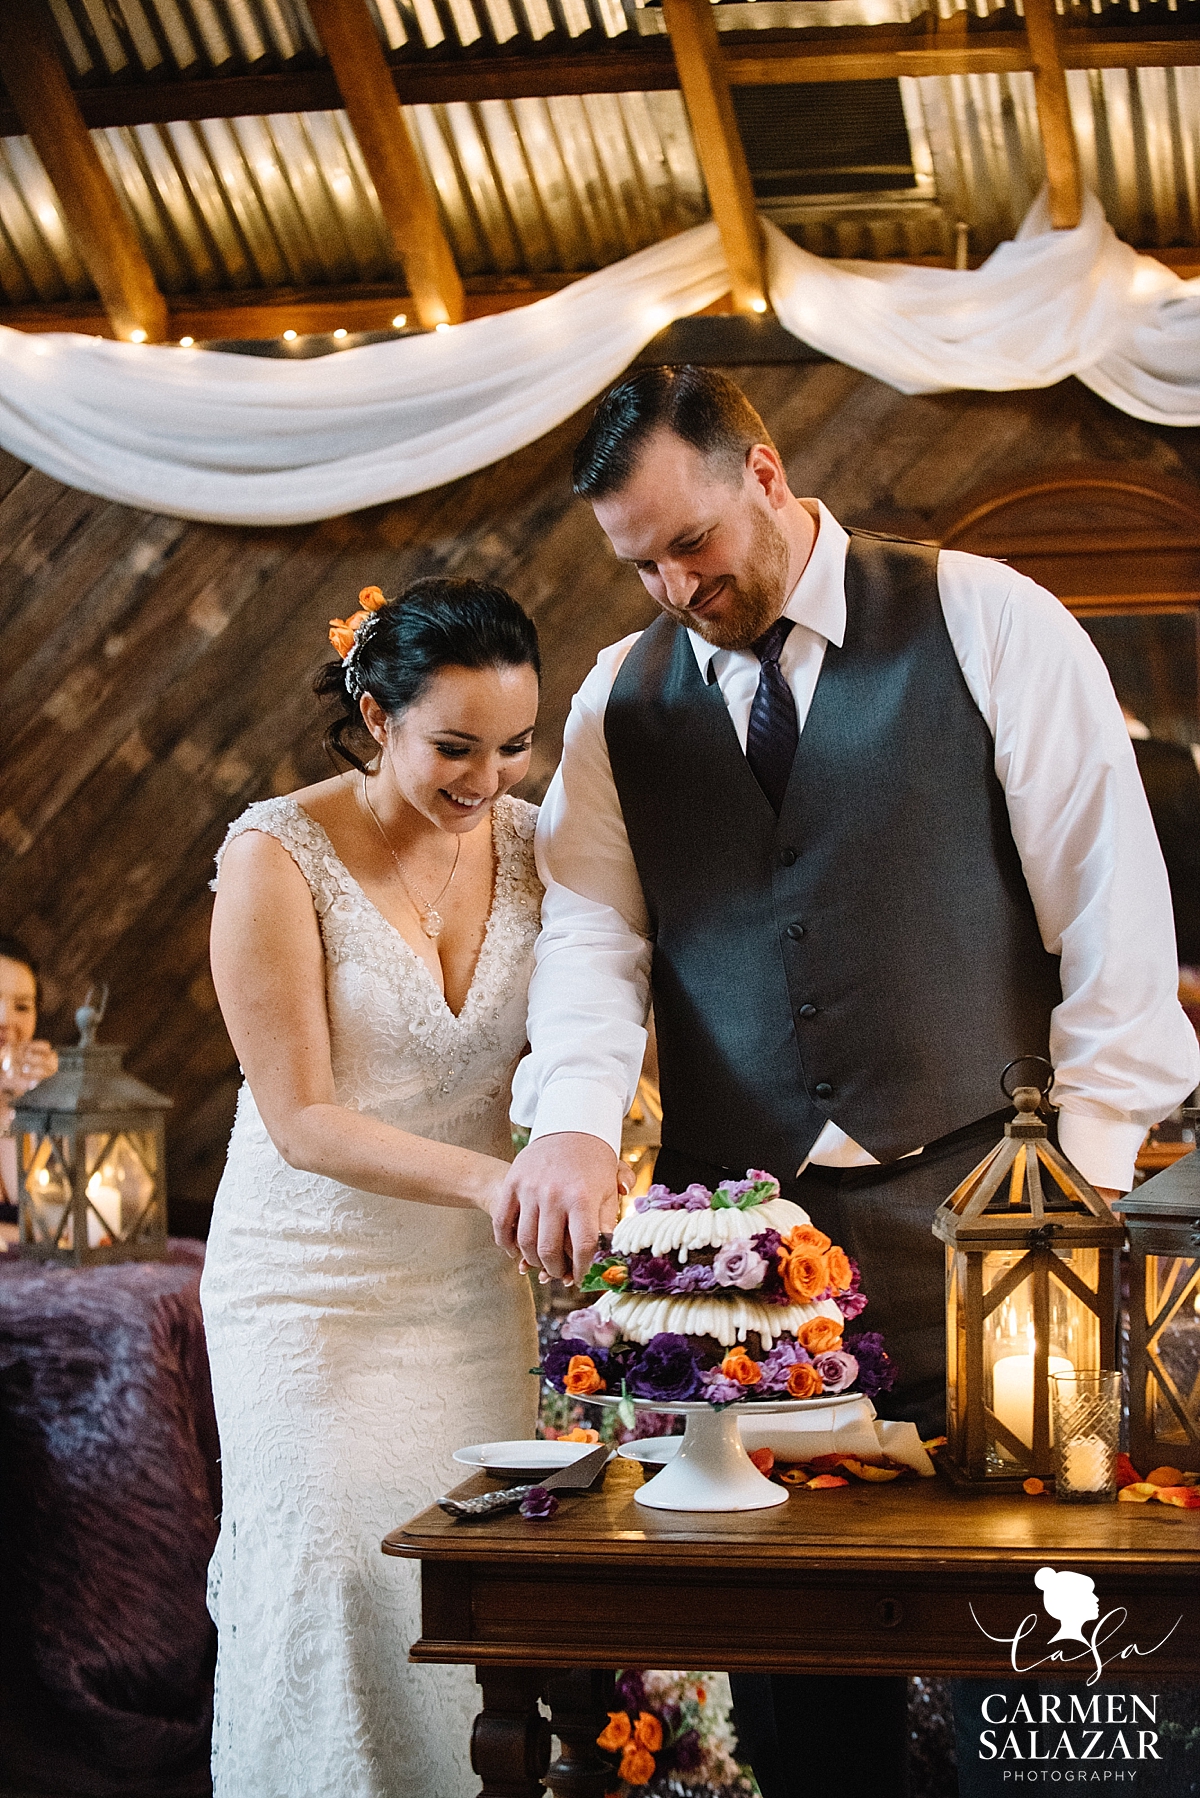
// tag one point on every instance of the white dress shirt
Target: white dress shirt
(1123, 1050)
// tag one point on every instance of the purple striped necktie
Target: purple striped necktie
(773, 733)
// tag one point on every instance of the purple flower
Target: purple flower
(651, 1273)
(557, 1358)
(632, 1693)
(538, 1504)
(778, 1363)
(737, 1264)
(876, 1369)
(665, 1369)
(695, 1277)
(718, 1390)
(767, 1244)
(685, 1752)
(694, 1198)
(837, 1369)
(586, 1325)
(850, 1304)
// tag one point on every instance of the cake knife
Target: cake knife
(576, 1476)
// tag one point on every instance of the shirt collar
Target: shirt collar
(817, 601)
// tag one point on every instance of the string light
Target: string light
(138, 336)
(340, 332)
(758, 305)
(289, 337)
(185, 343)
(442, 325)
(400, 320)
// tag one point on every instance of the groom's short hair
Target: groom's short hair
(701, 405)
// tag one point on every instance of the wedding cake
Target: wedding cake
(725, 1295)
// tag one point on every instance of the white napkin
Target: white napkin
(849, 1429)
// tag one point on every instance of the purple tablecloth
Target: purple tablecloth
(109, 1491)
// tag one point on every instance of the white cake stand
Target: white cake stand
(712, 1471)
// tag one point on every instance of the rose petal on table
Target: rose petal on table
(1186, 1497)
(824, 1481)
(1127, 1473)
(763, 1459)
(1036, 1488)
(864, 1470)
(794, 1476)
(1165, 1476)
(1138, 1494)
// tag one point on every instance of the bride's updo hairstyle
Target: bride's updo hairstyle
(393, 649)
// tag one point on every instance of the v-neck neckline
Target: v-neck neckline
(484, 947)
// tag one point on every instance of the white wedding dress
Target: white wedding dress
(355, 1342)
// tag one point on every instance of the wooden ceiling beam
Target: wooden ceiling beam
(1063, 178)
(823, 54)
(368, 91)
(705, 84)
(99, 227)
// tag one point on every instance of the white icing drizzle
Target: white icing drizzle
(665, 1232)
(641, 1315)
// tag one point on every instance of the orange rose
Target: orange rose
(341, 631)
(804, 1274)
(637, 1766)
(738, 1366)
(804, 1381)
(807, 1236)
(840, 1274)
(580, 1435)
(582, 1376)
(371, 599)
(647, 1731)
(820, 1334)
(616, 1733)
(615, 1276)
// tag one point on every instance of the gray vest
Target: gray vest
(872, 954)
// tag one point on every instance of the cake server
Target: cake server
(577, 1476)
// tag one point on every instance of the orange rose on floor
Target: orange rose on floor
(840, 1274)
(647, 1731)
(582, 1376)
(616, 1733)
(637, 1766)
(807, 1236)
(820, 1334)
(738, 1366)
(804, 1274)
(804, 1381)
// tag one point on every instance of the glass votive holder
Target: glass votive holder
(1086, 1412)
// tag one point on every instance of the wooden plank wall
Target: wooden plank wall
(154, 674)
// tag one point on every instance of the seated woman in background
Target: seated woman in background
(24, 1060)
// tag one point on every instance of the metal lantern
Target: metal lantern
(1031, 1261)
(92, 1157)
(1163, 1220)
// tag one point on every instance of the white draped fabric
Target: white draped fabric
(252, 440)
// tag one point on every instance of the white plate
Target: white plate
(652, 1451)
(523, 1459)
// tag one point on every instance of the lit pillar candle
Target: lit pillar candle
(1086, 1464)
(1012, 1391)
(106, 1201)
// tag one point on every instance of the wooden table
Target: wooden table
(861, 1579)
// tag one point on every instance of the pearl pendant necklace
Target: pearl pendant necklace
(428, 916)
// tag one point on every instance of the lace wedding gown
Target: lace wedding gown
(355, 1342)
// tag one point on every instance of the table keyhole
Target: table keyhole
(890, 1612)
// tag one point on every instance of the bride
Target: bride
(372, 944)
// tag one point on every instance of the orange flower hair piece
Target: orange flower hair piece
(342, 631)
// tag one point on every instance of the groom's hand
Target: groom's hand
(561, 1192)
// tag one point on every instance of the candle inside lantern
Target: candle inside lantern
(1086, 1464)
(106, 1201)
(1012, 1391)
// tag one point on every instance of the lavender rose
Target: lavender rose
(693, 1278)
(837, 1369)
(538, 1504)
(720, 1391)
(737, 1264)
(850, 1304)
(778, 1363)
(665, 1369)
(586, 1325)
(660, 1198)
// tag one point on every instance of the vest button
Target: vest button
(823, 1090)
(786, 857)
(808, 1011)
(795, 931)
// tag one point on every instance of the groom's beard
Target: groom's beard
(752, 601)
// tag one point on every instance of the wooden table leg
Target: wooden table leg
(510, 1743)
(579, 1702)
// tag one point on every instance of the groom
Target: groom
(863, 823)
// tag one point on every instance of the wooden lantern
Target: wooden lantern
(1030, 1291)
(1163, 1220)
(92, 1156)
